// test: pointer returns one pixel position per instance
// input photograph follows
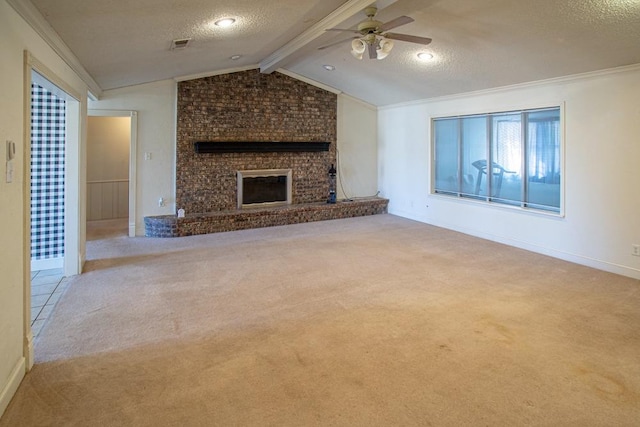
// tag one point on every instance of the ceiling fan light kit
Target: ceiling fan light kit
(358, 47)
(373, 36)
(384, 48)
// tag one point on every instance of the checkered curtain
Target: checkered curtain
(47, 174)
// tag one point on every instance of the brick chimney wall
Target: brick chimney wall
(250, 106)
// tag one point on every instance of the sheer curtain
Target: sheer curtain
(507, 147)
(544, 151)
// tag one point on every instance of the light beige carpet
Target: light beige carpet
(359, 322)
(107, 228)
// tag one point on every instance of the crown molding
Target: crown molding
(255, 67)
(279, 58)
(215, 73)
(309, 81)
(36, 21)
(527, 85)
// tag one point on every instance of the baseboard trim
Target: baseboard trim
(12, 385)
(47, 264)
(29, 350)
(552, 252)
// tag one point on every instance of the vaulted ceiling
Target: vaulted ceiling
(476, 44)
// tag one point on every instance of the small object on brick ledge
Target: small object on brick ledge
(332, 184)
(180, 213)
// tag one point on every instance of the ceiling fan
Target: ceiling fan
(372, 36)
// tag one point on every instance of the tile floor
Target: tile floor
(46, 288)
(48, 285)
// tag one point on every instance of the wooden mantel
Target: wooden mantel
(202, 147)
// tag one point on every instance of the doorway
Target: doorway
(108, 143)
(111, 173)
(52, 174)
(54, 240)
(47, 174)
(52, 169)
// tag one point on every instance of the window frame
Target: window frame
(486, 200)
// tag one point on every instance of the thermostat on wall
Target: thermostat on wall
(11, 150)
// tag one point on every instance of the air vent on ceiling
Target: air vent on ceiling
(180, 43)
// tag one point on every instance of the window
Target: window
(511, 158)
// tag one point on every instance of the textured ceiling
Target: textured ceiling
(476, 44)
(124, 42)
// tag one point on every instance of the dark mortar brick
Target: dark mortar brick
(250, 106)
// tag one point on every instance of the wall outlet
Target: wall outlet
(635, 249)
(161, 202)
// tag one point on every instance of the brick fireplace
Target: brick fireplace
(248, 121)
(246, 107)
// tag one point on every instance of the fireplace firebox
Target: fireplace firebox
(264, 187)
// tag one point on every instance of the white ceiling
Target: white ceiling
(477, 44)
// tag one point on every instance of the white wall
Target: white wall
(15, 37)
(601, 169)
(357, 152)
(155, 104)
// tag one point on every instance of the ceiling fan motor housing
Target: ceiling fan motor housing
(370, 26)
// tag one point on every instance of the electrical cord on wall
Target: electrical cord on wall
(347, 198)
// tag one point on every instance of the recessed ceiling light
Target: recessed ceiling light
(425, 56)
(236, 57)
(329, 67)
(226, 22)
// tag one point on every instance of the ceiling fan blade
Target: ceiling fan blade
(400, 20)
(407, 38)
(335, 43)
(342, 29)
(373, 54)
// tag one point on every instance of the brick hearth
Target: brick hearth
(215, 222)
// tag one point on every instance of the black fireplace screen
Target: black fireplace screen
(263, 189)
